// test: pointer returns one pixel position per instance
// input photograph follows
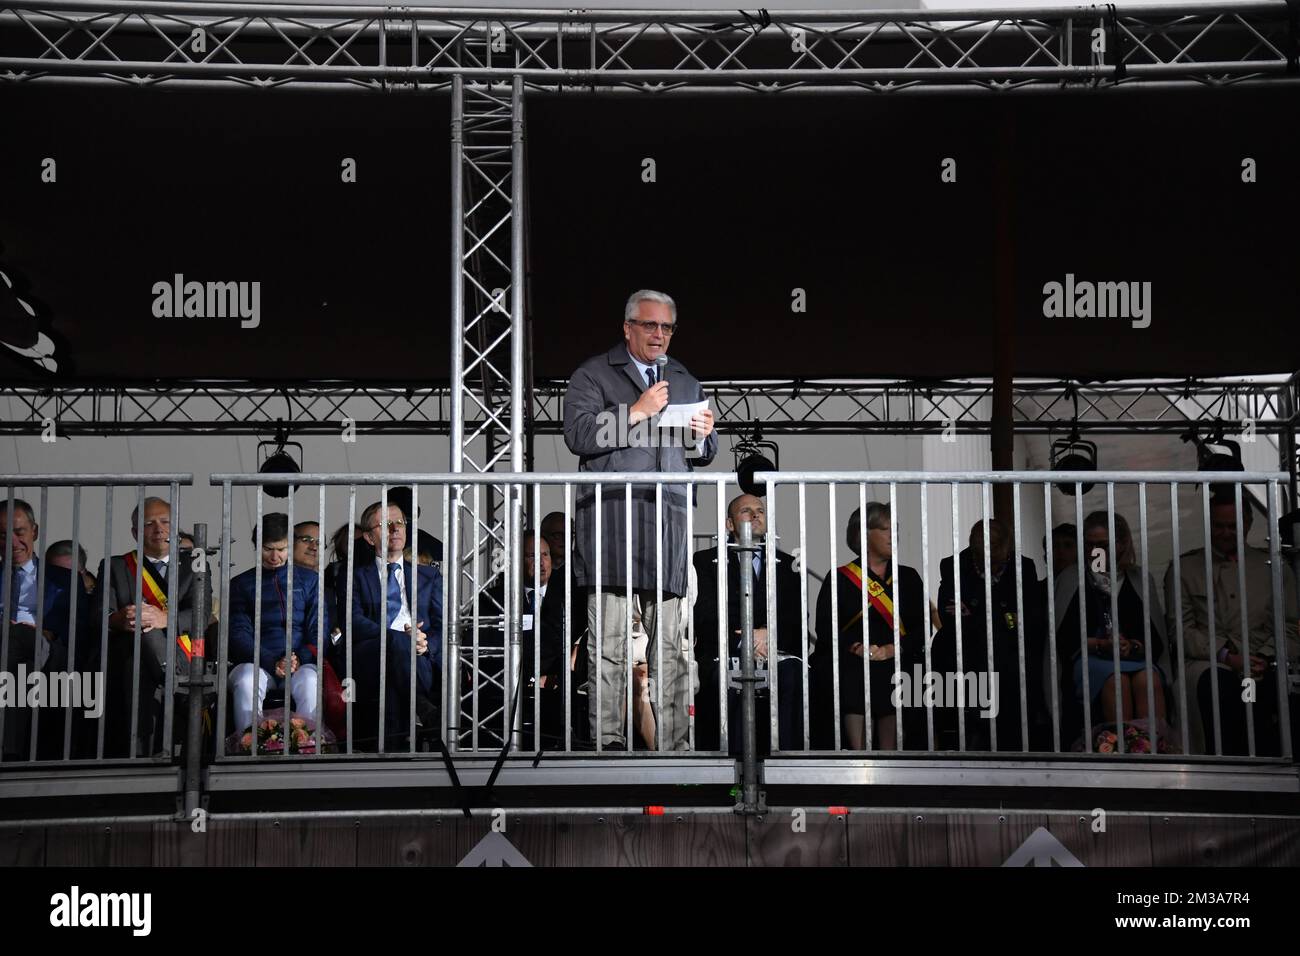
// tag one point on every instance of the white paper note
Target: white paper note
(679, 416)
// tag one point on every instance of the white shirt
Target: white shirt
(25, 585)
(404, 615)
(642, 367)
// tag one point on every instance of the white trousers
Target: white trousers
(304, 691)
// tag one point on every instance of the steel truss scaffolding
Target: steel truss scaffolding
(783, 407)
(402, 48)
(486, 398)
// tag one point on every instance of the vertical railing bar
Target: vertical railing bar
(321, 636)
(1279, 632)
(75, 585)
(106, 578)
(1146, 621)
(659, 618)
(1054, 666)
(898, 608)
(9, 611)
(568, 622)
(1083, 618)
(1020, 618)
(985, 493)
(1178, 615)
(223, 620)
(512, 590)
(347, 610)
(383, 616)
(40, 610)
(868, 725)
(537, 615)
(1210, 615)
(413, 542)
(259, 538)
(925, 599)
(287, 727)
(803, 607)
(833, 582)
(690, 616)
(1113, 568)
(957, 615)
(1245, 623)
(139, 598)
(174, 562)
(773, 635)
(596, 641)
(723, 605)
(449, 693)
(628, 666)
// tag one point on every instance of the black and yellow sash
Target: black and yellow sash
(155, 595)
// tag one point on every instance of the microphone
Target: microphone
(660, 362)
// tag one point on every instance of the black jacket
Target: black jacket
(974, 630)
(789, 608)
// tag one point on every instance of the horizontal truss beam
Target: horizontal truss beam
(264, 46)
(781, 407)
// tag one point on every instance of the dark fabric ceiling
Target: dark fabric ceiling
(754, 198)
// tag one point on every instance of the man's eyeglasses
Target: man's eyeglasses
(392, 525)
(308, 539)
(664, 327)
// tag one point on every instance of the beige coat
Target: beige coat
(1197, 645)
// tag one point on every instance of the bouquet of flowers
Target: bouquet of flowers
(1137, 738)
(275, 731)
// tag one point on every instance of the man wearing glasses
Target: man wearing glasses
(628, 386)
(410, 618)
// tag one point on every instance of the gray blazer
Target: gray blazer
(599, 395)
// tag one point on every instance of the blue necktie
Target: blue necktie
(394, 594)
(758, 565)
(650, 375)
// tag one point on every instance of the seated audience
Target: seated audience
(1227, 656)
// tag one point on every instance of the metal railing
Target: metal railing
(52, 671)
(506, 681)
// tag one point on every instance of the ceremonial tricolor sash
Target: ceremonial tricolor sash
(155, 595)
(877, 597)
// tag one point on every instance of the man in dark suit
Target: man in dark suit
(611, 424)
(385, 588)
(47, 653)
(559, 538)
(789, 636)
(1006, 647)
(117, 586)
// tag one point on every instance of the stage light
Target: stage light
(1217, 453)
(279, 462)
(1074, 454)
(750, 460)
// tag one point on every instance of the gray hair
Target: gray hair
(61, 549)
(135, 512)
(647, 295)
(20, 507)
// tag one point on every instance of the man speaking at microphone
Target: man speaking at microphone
(611, 419)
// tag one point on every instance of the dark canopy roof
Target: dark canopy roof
(754, 198)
